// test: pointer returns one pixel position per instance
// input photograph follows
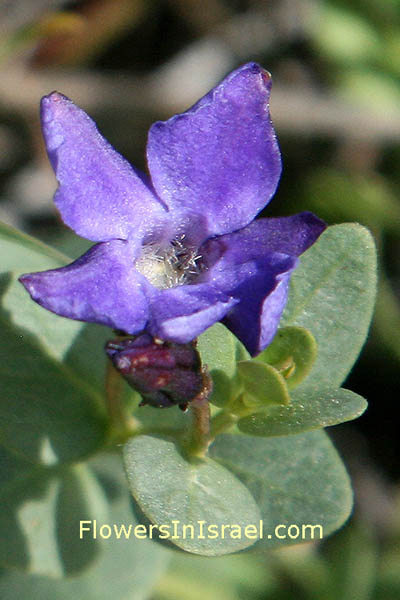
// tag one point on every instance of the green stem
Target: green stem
(123, 424)
(229, 416)
(196, 445)
(221, 422)
(200, 427)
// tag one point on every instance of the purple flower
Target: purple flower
(178, 250)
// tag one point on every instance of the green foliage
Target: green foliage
(188, 492)
(232, 577)
(52, 415)
(40, 518)
(271, 470)
(49, 412)
(220, 351)
(345, 36)
(332, 294)
(292, 352)
(125, 567)
(283, 475)
(263, 385)
(308, 410)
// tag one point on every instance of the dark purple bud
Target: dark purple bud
(164, 373)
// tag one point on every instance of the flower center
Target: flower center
(169, 266)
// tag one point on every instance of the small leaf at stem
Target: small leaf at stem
(263, 385)
(292, 352)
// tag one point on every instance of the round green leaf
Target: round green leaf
(80, 498)
(296, 481)
(292, 352)
(25, 253)
(218, 349)
(39, 522)
(308, 410)
(182, 498)
(46, 412)
(332, 294)
(50, 411)
(263, 385)
(127, 568)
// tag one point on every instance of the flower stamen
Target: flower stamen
(171, 265)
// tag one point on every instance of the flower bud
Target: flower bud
(164, 373)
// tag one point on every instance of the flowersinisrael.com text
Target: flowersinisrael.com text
(200, 530)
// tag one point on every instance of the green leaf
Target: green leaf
(171, 419)
(47, 414)
(263, 385)
(332, 294)
(78, 344)
(219, 351)
(309, 410)
(39, 523)
(354, 85)
(27, 530)
(126, 568)
(296, 481)
(173, 492)
(50, 409)
(80, 498)
(11, 467)
(24, 252)
(292, 352)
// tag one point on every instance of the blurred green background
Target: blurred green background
(336, 108)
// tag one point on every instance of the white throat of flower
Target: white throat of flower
(170, 265)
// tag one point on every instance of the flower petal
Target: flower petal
(100, 287)
(220, 160)
(263, 297)
(261, 287)
(182, 313)
(100, 196)
(289, 235)
(254, 265)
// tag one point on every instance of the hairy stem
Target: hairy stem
(199, 433)
(123, 424)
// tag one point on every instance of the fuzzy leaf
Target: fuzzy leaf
(263, 385)
(296, 480)
(50, 411)
(292, 352)
(310, 410)
(332, 294)
(126, 567)
(169, 489)
(219, 351)
(39, 524)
